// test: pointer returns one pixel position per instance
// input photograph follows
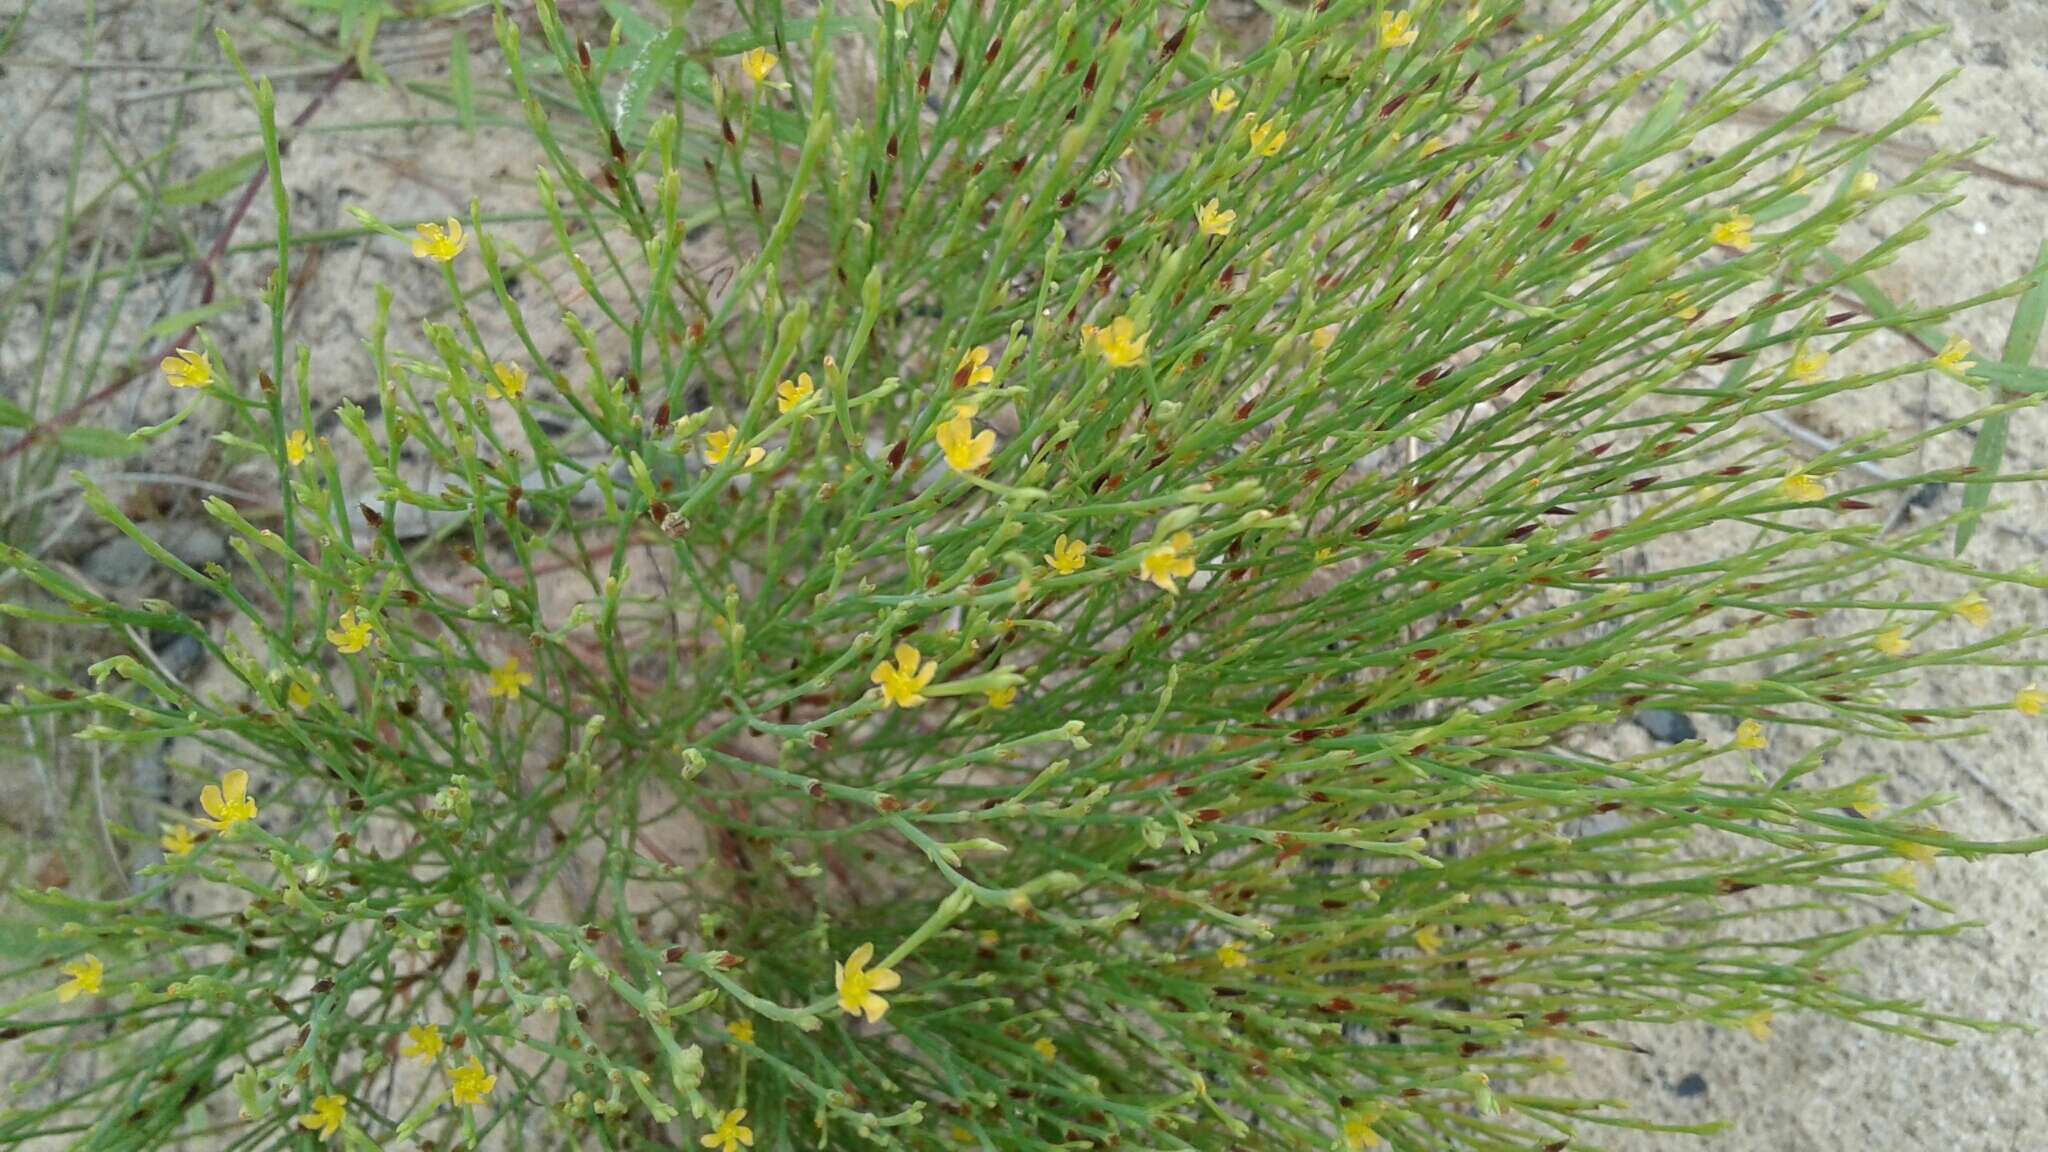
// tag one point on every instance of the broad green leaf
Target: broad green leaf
(2020, 342)
(177, 322)
(642, 77)
(99, 443)
(217, 181)
(633, 27)
(458, 81)
(2026, 378)
(1643, 141)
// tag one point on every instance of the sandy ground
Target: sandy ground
(1820, 1086)
(1814, 1085)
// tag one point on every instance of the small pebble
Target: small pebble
(1666, 727)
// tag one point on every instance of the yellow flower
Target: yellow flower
(1165, 562)
(1046, 1049)
(187, 369)
(1001, 698)
(437, 243)
(1802, 488)
(1434, 145)
(296, 695)
(1917, 853)
(1067, 556)
(1757, 1024)
(973, 370)
(741, 1030)
(1397, 29)
(858, 984)
(1866, 805)
(1429, 938)
(1358, 1131)
(718, 445)
(1955, 355)
(965, 449)
(2029, 701)
(1323, 337)
(1864, 185)
(1892, 642)
(470, 1084)
(1685, 308)
(350, 634)
(1222, 100)
(1734, 232)
(1120, 342)
(1231, 956)
(788, 395)
(1267, 136)
(1809, 366)
(1974, 609)
(297, 447)
(85, 973)
(1749, 736)
(903, 682)
(508, 381)
(1214, 219)
(227, 804)
(178, 840)
(730, 1133)
(325, 1118)
(758, 63)
(422, 1043)
(1901, 878)
(507, 679)
(902, 4)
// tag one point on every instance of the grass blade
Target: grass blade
(1989, 455)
